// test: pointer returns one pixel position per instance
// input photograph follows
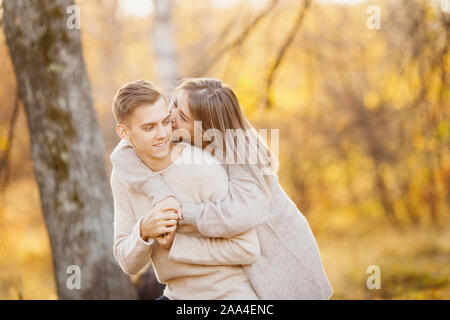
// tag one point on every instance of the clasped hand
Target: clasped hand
(161, 222)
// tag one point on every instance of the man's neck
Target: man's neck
(158, 164)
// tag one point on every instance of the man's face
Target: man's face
(182, 119)
(150, 130)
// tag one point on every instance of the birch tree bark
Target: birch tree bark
(163, 44)
(67, 148)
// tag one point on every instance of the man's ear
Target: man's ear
(122, 131)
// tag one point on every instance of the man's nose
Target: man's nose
(161, 132)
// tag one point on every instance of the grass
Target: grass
(414, 264)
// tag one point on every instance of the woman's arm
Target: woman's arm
(130, 169)
(245, 206)
(240, 250)
(130, 250)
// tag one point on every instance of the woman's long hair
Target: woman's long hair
(233, 138)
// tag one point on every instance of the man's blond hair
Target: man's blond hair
(132, 95)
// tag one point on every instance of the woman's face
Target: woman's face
(182, 119)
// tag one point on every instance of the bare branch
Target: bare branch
(5, 154)
(247, 31)
(238, 41)
(282, 52)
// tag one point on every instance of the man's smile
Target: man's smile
(161, 145)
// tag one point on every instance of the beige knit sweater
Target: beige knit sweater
(290, 266)
(196, 267)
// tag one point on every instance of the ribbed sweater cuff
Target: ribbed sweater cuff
(136, 232)
(189, 210)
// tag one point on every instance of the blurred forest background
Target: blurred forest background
(363, 117)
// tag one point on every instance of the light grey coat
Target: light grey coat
(290, 266)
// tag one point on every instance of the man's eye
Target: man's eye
(166, 122)
(183, 118)
(148, 128)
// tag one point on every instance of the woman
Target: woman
(290, 266)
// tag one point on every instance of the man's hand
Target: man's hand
(157, 222)
(166, 241)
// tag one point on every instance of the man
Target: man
(158, 136)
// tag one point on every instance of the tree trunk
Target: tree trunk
(67, 149)
(163, 43)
